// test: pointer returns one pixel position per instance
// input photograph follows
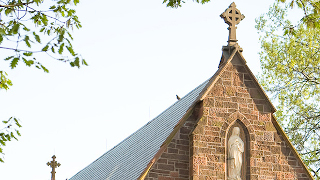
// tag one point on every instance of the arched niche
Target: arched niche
(244, 135)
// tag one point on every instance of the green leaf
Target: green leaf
(70, 35)
(27, 53)
(37, 37)
(77, 62)
(8, 58)
(45, 48)
(71, 12)
(14, 62)
(26, 29)
(68, 22)
(28, 63)
(13, 136)
(70, 50)
(52, 7)
(44, 19)
(42, 29)
(2, 31)
(17, 122)
(44, 69)
(62, 14)
(4, 138)
(7, 11)
(76, 2)
(61, 48)
(15, 28)
(18, 132)
(8, 137)
(84, 62)
(26, 40)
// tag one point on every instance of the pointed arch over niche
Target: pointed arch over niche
(245, 137)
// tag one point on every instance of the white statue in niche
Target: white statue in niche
(235, 150)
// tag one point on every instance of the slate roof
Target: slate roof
(129, 158)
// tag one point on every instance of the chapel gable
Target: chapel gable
(235, 135)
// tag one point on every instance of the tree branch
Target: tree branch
(19, 49)
(15, 5)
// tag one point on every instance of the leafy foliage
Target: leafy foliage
(311, 10)
(4, 81)
(290, 60)
(28, 29)
(8, 133)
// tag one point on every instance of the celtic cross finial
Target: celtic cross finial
(232, 17)
(53, 164)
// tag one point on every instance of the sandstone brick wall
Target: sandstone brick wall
(198, 150)
(234, 97)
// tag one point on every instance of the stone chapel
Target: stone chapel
(224, 129)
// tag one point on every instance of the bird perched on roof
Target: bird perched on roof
(178, 97)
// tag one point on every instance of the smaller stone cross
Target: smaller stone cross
(53, 164)
(232, 17)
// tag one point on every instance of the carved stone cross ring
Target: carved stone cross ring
(232, 17)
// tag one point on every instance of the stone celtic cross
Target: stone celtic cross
(53, 164)
(232, 17)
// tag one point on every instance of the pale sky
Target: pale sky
(140, 54)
